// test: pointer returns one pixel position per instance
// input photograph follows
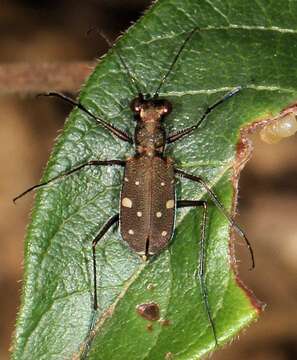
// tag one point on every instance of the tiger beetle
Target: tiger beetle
(148, 203)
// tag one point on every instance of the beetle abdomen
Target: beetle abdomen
(147, 206)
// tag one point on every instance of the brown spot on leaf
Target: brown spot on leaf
(149, 327)
(149, 311)
(165, 322)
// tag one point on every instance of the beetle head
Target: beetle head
(142, 107)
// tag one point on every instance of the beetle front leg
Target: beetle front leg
(122, 135)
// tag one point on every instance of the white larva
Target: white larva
(283, 127)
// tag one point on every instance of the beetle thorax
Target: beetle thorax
(151, 113)
(150, 137)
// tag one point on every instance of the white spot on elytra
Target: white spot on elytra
(158, 214)
(139, 213)
(131, 232)
(137, 182)
(126, 202)
(162, 183)
(170, 204)
(126, 179)
(164, 233)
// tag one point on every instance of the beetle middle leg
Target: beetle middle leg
(67, 173)
(202, 257)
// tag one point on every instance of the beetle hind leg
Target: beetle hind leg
(202, 259)
(111, 221)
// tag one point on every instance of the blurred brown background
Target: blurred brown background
(50, 31)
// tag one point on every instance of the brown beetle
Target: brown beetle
(147, 203)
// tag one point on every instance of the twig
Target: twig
(22, 78)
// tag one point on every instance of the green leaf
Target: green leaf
(248, 43)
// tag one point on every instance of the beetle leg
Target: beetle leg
(220, 206)
(202, 257)
(184, 132)
(114, 219)
(64, 174)
(114, 130)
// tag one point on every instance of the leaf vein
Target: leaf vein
(218, 11)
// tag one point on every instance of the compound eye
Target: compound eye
(167, 107)
(135, 105)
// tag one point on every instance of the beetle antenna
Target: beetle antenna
(156, 94)
(124, 64)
